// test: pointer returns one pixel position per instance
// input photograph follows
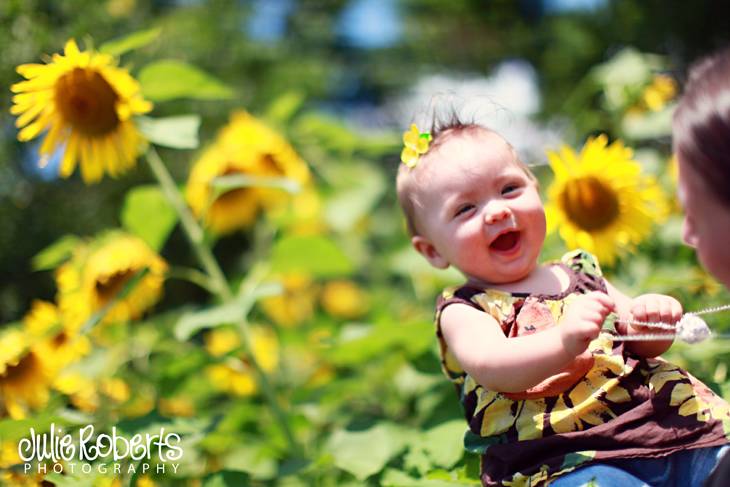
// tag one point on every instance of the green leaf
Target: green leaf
(283, 107)
(169, 79)
(364, 453)
(227, 479)
(135, 40)
(311, 255)
(416, 460)
(55, 254)
(395, 478)
(232, 312)
(328, 131)
(478, 444)
(414, 338)
(649, 125)
(252, 459)
(444, 443)
(357, 199)
(625, 73)
(147, 214)
(179, 132)
(67, 479)
(223, 184)
(15, 429)
(191, 323)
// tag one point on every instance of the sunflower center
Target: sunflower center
(87, 101)
(270, 166)
(21, 371)
(60, 340)
(107, 288)
(589, 203)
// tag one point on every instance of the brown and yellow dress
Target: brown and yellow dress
(607, 405)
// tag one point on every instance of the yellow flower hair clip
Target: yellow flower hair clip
(416, 144)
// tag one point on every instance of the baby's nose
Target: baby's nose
(496, 213)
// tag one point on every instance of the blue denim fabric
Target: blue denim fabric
(688, 468)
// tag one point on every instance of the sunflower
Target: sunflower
(246, 146)
(85, 102)
(16, 478)
(221, 340)
(115, 389)
(25, 375)
(179, 406)
(98, 272)
(658, 93)
(81, 390)
(600, 201)
(344, 299)
(234, 375)
(297, 302)
(62, 342)
(9, 454)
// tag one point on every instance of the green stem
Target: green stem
(192, 275)
(190, 225)
(196, 236)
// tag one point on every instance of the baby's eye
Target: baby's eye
(510, 188)
(463, 209)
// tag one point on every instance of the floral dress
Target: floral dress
(608, 404)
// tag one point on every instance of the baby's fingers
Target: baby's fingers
(676, 311)
(653, 310)
(642, 310)
(665, 311)
(657, 310)
(603, 299)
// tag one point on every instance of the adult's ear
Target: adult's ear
(424, 247)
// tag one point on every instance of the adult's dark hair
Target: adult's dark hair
(702, 122)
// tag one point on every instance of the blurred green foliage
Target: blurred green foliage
(364, 394)
(312, 60)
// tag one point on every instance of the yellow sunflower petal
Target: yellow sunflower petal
(85, 97)
(245, 146)
(600, 201)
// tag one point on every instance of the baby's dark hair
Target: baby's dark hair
(702, 122)
(443, 128)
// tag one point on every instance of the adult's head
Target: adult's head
(701, 134)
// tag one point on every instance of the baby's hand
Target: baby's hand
(583, 320)
(655, 308)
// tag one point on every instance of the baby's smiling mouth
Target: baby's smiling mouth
(506, 241)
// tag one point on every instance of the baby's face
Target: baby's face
(706, 222)
(480, 212)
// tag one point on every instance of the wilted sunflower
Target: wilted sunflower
(58, 338)
(99, 271)
(25, 375)
(85, 102)
(600, 201)
(246, 146)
